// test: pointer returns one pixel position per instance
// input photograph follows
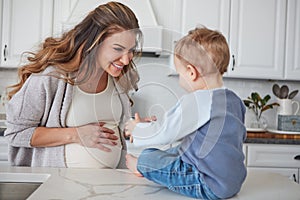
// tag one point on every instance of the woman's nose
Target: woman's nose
(126, 58)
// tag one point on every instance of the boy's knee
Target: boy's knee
(147, 156)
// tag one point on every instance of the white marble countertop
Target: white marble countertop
(111, 184)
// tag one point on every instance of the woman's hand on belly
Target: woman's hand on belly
(95, 135)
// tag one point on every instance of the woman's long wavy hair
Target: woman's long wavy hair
(77, 47)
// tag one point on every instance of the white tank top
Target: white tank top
(88, 108)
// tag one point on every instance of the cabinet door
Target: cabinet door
(213, 14)
(260, 155)
(24, 25)
(257, 38)
(291, 173)
(292, 64)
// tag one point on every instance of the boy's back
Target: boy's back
(216, 147)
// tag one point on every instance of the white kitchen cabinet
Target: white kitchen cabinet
(255, 31)
(292, 62)
(24, 25)
(274, 158)
(213, 14)
(257, 38)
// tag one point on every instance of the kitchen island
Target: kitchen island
(64, 183)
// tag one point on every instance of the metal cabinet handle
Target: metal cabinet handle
(5, 52)
(233, 63)
(297, 157)
(294, 178)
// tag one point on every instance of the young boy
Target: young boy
(208, 163)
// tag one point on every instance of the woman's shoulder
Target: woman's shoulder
(49, 78)
(47, 74)
(49, 69)
(50, 72)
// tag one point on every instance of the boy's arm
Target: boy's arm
(191, 112)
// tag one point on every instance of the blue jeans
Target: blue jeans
(166, 168)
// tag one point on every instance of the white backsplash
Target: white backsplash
(7, 77)
(242, 87)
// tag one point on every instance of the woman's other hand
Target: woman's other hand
(95, 135)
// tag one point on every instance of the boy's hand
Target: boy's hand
(130, 125)
(149, 119)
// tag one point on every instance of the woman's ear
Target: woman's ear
(192, 72)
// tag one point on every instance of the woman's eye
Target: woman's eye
(118, 49)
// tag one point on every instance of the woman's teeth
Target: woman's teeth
(118, 66)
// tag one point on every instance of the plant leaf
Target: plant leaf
(247, 102)
(257, 104)
(267, 98)
(255, 96)
(269, 106)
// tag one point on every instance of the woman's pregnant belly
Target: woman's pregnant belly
(78, 156)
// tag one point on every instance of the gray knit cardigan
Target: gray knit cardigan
(44, 101)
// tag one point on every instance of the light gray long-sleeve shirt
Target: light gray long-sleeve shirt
(44, 101)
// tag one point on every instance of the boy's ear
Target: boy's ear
(192, 72)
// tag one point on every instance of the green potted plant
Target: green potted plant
(259, 105)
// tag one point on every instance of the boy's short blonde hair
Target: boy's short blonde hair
(205, 49)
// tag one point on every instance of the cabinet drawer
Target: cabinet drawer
(290, 173)
(273, 156)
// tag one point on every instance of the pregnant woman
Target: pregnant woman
(69, 107)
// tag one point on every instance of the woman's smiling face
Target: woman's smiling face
(116, 51)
